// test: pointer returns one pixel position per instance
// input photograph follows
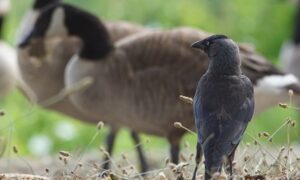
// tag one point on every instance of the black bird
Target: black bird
(223, 104)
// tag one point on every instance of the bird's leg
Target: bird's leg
(110, 139)
(197, 159)
(229, 166)
(143, 162)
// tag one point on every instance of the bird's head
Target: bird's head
(214, 43)
(222, 51)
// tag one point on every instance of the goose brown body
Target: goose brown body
(45, 74)
(143, 76)
(141, 88)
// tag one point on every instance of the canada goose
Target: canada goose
(290, 52)
(137, 81)
(43, 70)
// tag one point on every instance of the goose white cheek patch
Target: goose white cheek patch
(57, 26)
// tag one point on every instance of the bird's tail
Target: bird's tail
(213, 170)
(213, 162)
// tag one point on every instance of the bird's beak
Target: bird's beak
(199, 45)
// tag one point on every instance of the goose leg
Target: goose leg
(175, 153)
(110, 139)
(197, 159)
(143, 163)
(175, 148)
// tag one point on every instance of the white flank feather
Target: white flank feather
(277, 81)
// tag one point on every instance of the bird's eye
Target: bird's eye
(207, 43)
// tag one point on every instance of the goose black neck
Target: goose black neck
(96, 40)
(1, 26)
(40, 4)
(297, 26)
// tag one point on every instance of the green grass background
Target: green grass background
(263, 23)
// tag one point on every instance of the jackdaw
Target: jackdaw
(223, 104)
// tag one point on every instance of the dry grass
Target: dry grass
(260, 159)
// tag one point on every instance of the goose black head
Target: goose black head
(40, 4)
(61, 20)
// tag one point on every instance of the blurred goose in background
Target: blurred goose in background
(138, 79)
(290, 52)
(9, 72)
(42, 68)
(7, 64)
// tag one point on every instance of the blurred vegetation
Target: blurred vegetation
(265, 24)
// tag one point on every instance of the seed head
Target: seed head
(186, 99)
(178, 124)
(266, 134)
(293, 123)
(64, 153)
(161, 176)
(15, 149)
(291, 92)
(100, 125)
(283, 105)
